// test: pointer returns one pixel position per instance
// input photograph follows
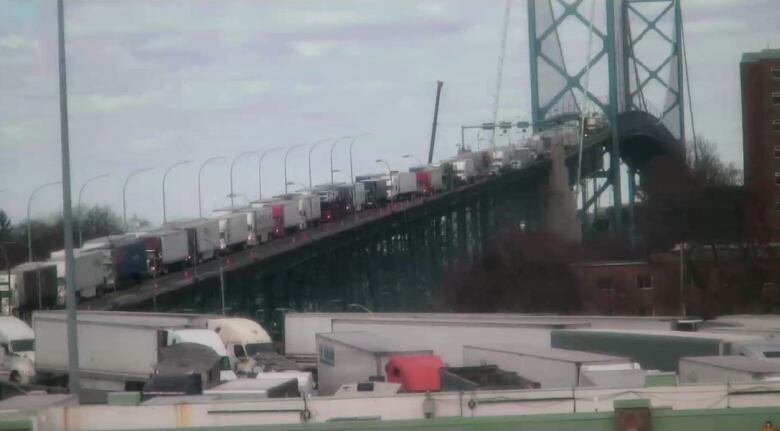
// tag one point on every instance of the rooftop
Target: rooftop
(372, 343)
(767, 54)
(562, 355)
(741, 363)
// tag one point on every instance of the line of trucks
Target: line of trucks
(125, 351)
(113, 262)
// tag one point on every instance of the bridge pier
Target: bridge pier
(560, 210)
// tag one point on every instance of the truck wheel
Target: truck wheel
(15, 377)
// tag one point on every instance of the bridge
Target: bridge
(392, 258)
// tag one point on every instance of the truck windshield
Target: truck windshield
(255, 348)
(224, 364)
(25, 345)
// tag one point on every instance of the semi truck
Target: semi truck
(17, 355)
(90, 274)
(309, 208)
(375, 187)
(32, 286)
(166, 250)
(233, 231)
(464, 170)
(124, 258)
(118, 350)
(429, 180)
(202, 237)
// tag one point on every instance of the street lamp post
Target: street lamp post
(165, 176)
(386, 164)
(232, 165)
(260, 170)
(29, 228)
(332, 146)
(311, 150)
(351, 143)
(124, 193)
(78, 206)
(409, 156)
(200, 172)
(287, 153)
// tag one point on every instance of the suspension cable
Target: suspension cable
(688, 89)
(585, 104)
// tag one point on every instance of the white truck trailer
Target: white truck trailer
(309, 208)
(165, 249)
(402, 185)
(354, 357)
(117, 350)
(727, 369)
(233, 231)
(202, 236)
(445, 334)
(557, 368)
(464, 170)
(90, 273)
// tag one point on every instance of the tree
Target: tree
(707, 168)
(98, 221)
(5, 226)
(517, 272)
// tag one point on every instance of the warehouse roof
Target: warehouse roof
(675, 334)
(741, 363)
(373, 343)
(562, 355)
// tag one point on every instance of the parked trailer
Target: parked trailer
(263, 225)
(166, 249)
(90, 272)
(233, 231)
(358, 196)
(300, 328)
(654, 350)
(287, 217)
(402, 185)
(124, 258)
(117, 350)
(447, 337)
(32, 286)
(202, 236)
(727, 369)
(557, 368)
(429, 180)
(354, 357)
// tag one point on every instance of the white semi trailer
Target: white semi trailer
(90, 271)
(233, 231)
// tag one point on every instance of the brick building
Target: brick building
(760, 76)
(729, 279)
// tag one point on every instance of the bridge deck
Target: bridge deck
(292, 249)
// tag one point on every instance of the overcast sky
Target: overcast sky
(157, 81)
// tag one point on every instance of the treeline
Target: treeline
(47, 234)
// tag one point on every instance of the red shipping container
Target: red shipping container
(416, 373)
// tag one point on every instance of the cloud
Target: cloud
(156, 142)
(104, 103)
(307, 49)
(432, 8)
(220, 94)
(14, 42)
(320, 18)
(164, 43)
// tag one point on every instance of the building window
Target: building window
(777, 206)
(604, 283)
(646, 311)
(777, 152)
(776, 125)
(777, 178)
(644, 281)
(775, 72)
(776, 98)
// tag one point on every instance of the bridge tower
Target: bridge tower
(635, 64)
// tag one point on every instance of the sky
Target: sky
(154, 82)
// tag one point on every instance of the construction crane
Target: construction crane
(500, 72)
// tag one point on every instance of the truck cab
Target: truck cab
(206, 338)
(243, 339)
(17, 350)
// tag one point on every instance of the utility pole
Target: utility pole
(70, 264)
(439, 84)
